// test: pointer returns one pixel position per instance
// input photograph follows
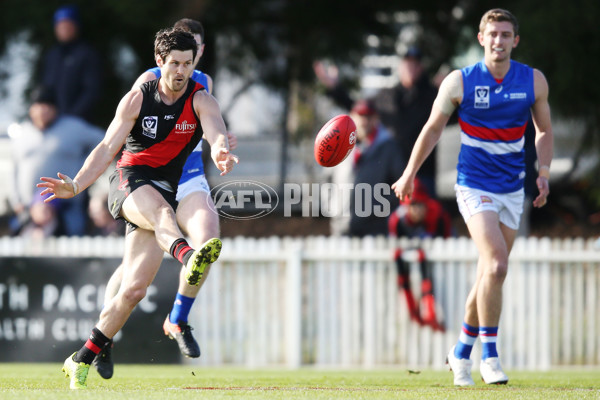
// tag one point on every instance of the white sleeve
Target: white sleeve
(450, 93)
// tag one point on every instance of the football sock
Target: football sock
(181, 308)
(488, 334)
(466, 339)
(181, 250)
(92, 347)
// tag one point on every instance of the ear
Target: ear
(159, 61)
(480, 38)
(517, 38)
(200, 51)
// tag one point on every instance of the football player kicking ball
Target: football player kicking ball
(143, 186)
(494, 99)
(196, 215)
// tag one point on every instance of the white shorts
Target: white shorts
(508, 206)
(195, 184)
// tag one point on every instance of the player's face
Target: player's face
(176, 69)
(498, 39)
(364, 124)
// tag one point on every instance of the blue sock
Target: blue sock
(181, 308)
(467, 338)
(488, 335)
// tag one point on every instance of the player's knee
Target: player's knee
(498, 270)
(165, 212)
(133, 294)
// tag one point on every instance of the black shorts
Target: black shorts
(123, 182)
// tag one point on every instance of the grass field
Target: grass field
(165, 382)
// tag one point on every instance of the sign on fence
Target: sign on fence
(48, 307)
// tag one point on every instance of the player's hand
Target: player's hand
(224, 160)
(544, 189)
(403, 187)
(62, 188)
(232, 139)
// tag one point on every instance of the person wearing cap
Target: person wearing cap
(420, 216)
(369, 170)
(72, 68)
(403, 109)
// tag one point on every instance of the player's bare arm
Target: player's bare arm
(102, 155)
(208, 110)
(544, 138)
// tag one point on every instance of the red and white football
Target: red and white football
(335, 141)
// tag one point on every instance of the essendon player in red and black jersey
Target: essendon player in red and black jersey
(143, 186)
(163, 135)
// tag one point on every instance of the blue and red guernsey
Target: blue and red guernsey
(163, 135)
(493, 117)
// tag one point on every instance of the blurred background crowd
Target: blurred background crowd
(281, 69)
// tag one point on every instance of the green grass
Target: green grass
(165, 382)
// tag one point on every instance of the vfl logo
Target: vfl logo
(482, 97)
(149, 125)
(184, 127)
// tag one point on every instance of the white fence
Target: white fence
(335, 301)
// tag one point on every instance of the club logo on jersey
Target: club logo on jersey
(149, 125)
(184, 128)
(482, 97)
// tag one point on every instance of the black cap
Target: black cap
(43, 95)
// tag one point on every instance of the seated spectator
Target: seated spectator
(421, 216)
(102, 222)
(47, 143)
(43, 218)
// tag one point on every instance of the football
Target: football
(335, 141)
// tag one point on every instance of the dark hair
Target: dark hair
(171, 39)
(42, 94)
(190, 25)
(499, 15)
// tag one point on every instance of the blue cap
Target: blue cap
(413, 52)
(67, 12)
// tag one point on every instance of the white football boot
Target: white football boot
(461, 367)
(491, 372)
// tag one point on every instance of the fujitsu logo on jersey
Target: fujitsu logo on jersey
(184, 127)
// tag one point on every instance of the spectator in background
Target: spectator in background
(102, 222)
(420, 216)
(373, 161)
(72, 68)
(43, 145)
(42, 219)
(402, 109)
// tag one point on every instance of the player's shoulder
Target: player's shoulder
(453, 79)
(132, 101)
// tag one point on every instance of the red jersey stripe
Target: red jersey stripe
(480, 132)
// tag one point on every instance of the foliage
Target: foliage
(275, 42)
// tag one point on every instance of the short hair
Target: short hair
(190, 25)
(171, 39)
(499, 15)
